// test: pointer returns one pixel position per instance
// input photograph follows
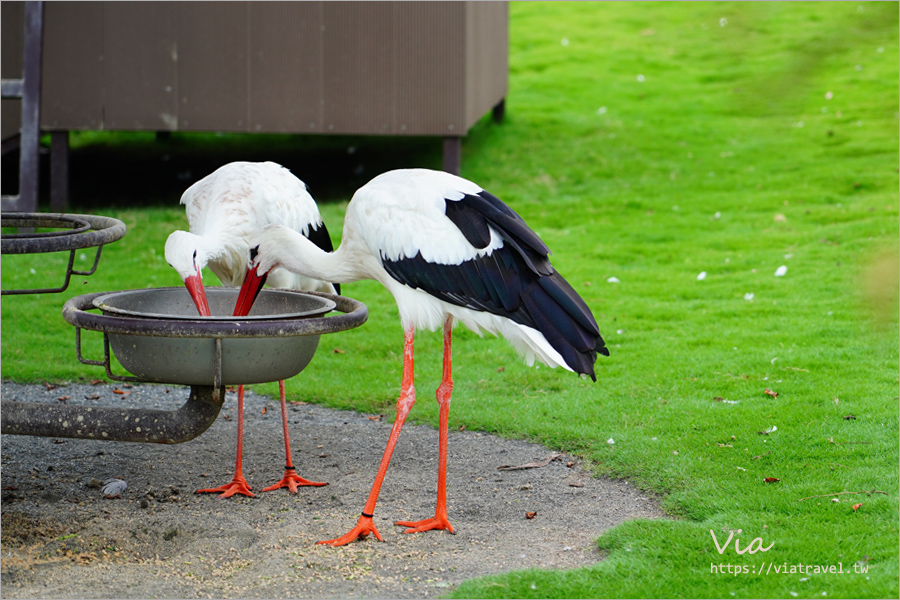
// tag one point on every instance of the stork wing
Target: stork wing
(509, 275)
(473, 214)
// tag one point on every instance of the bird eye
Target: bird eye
(253, 253)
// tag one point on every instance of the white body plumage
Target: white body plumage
(226, 208)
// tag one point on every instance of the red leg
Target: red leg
(238, 485)
(440, 521)
(290, 480)
(365, 525)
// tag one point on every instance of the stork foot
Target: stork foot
(435, 522)
(238, 485)
(292, 481)
(363, 528)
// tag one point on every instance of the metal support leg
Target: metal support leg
(452, 154)
(116, 424)
(59, 171)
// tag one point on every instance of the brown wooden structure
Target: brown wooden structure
(361, 68)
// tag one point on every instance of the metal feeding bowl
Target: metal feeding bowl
(192, 361)
(158, 336)
(176, 303)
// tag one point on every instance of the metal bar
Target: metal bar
(55, 290)
(107, 364)
(29, 163)
(11, 88)
(86, 231)
(217, 380)
(13, 220)
(81, 359)
(93, 268)
(116, 424)
(59, 171)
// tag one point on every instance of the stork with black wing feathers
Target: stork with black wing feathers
(449, 252)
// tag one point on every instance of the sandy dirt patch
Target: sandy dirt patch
(62, 539)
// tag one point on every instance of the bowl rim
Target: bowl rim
(326, 305)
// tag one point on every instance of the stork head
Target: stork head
(257, 271)
(185, 254)
(262, 260)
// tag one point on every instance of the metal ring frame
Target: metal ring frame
(87, 231)
(355, 314)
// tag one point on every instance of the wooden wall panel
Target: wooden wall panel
(213, 66)
(397, 68)
(12, 21)
(141, 66)
(285, 85)
(73, 94)
(358, 69)
(487, 52)
(429, 60)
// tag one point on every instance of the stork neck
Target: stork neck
(305, 258)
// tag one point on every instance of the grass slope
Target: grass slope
(650, 142)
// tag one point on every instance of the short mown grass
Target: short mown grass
(645, 142)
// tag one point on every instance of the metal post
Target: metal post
(31, 108)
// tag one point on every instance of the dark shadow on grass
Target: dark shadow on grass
(125, 169)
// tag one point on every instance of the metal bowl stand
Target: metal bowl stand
(158, 426)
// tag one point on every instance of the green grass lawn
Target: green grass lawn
(650, 143)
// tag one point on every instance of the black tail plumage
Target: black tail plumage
(565, 320)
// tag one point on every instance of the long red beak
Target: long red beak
(253, 283)
(195, 288)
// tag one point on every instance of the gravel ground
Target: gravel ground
(62, 539)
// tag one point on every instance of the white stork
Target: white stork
(224, 210)
(448, 252)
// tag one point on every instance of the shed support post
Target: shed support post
(499, 111)
(452, 154)
(59, 171)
